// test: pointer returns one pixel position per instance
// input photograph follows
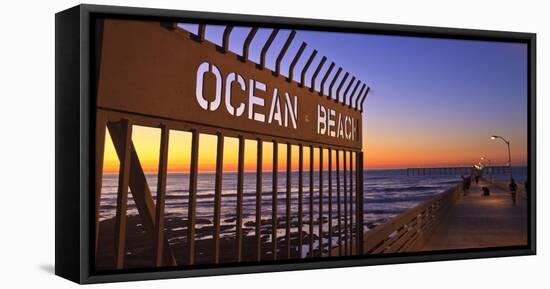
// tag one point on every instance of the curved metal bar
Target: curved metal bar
(202, 32)
(363, 99)
(225, 40)
(317, 72)
(295, 60)
(340, 87)
(266, 47)
(247, 42)
(306, 67)
(332, 84)
(321, 91)
(347, 90)
(283, 52)
(359, 95)
(353, 93)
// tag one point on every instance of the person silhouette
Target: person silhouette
(513, 190)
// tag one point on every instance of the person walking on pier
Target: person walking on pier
(466, 183)
(513, 190)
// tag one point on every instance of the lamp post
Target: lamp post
(490, 169)
(509, 156)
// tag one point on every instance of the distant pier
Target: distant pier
(459, 170)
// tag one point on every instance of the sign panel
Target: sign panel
(151, 70)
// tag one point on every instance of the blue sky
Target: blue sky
(427, 94)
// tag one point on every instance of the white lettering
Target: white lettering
(275, 111)
(199, 90)
(230, 79)
(255, 100)
(291, 112)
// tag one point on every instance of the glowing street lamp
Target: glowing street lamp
(509, 155)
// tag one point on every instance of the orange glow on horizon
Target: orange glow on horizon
(378, 153)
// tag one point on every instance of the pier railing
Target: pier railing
(409, 230)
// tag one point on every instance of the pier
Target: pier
(455, 220)
(477, 221)
(458, 170)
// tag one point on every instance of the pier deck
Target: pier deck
(475, 221)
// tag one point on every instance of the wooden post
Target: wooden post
(161, 196)
(122, 196)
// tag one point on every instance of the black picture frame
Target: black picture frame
(74, 124)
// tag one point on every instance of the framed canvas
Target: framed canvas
(193, 144)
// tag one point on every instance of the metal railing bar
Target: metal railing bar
(158, 246)
(283, 52)
(324, 80)
(306, 67)
(218, 197)
(300, 198)
(347, 90)
(351, 171)
(193, 173)
(259, 177)
(363, 99)
(122, 196)
(240, 185)
(345, 203)
(353, 93)
(225, 38)
(247, 41)
(329, 202)
(332, 84)
(266, 47)
(274, 200)
(316, 73)
(337, 99)
(295, 61)
(339, 197)
(320, 202)
(288, 196)
(311, 167)
(359, 96)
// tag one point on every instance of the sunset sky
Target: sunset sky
(433, 102)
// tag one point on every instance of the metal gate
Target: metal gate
(137, 86)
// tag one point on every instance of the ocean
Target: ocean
(386, 194)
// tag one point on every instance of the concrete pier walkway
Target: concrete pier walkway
(476, 221)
